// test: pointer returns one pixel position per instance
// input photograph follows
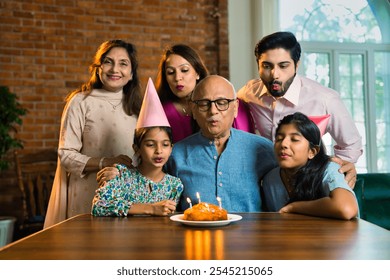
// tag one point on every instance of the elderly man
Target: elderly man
(220, 161)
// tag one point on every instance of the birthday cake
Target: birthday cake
(205, 212)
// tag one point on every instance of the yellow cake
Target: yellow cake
(205, 212)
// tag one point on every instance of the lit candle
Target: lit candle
(198, 196)
(219, 202)
(189, 201)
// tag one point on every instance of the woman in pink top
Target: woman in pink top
(180, 69)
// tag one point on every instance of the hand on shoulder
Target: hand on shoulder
(106, 174)
(348, 169)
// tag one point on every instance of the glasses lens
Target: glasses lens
(203, 105)
(222, 104)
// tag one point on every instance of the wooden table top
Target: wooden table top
(267, 236)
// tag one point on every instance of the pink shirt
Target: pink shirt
(310, 98)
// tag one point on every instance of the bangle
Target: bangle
(101, 163)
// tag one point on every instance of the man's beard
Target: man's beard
(283, 87)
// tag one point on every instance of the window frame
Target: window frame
(367, 50)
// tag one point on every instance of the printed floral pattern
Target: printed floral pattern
(117, 196)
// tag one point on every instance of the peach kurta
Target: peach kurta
(91, 126)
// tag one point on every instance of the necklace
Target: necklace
(184, 111)
(114, 106)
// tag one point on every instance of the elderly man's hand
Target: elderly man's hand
(347, 168)
(106, 174)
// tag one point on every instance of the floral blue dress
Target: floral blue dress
(117, 196)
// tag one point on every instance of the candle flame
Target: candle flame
(198, 196)
(189, 201)
(219, 202)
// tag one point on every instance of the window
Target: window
(345, 46)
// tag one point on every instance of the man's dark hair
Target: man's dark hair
(284, 40)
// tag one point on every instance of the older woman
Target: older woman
(97, 129)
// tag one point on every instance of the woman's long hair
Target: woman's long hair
(132, 98)
(164, 91)
(308, 179)
(188, 54)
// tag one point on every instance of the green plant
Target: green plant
(10, 116)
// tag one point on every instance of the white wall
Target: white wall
(248, 22)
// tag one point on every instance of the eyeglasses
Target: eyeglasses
(204, 105)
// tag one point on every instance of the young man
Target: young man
(280, 91)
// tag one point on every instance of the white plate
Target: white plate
(231, 218)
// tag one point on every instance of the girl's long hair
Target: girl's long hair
(308, 179)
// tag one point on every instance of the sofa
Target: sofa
(373, 194)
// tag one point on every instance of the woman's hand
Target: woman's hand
(106, 174)
(121, 159)
(110, 171)
(97, 163)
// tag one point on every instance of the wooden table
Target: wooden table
(267, 236)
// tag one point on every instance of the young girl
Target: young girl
(306, 181)
(145, 189)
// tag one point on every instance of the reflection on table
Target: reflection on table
(204, 244)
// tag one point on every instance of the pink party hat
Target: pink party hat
(152, 112)
(321, 122)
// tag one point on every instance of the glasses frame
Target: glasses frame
(215, 103)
